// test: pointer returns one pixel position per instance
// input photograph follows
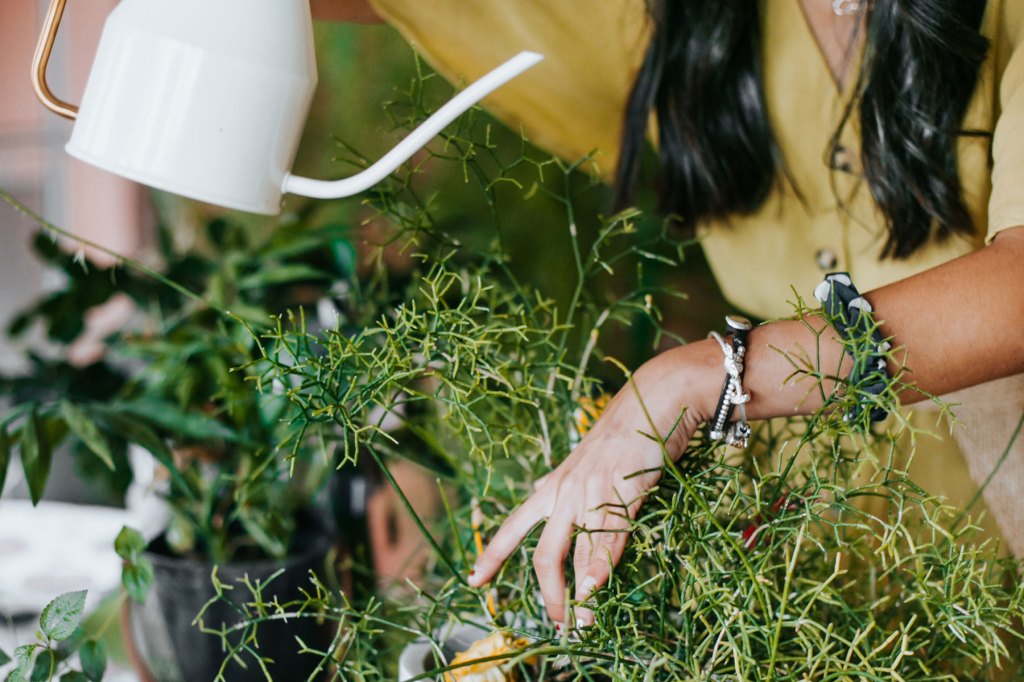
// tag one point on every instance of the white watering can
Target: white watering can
(208, 98)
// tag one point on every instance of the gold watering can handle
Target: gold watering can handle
(42, 58)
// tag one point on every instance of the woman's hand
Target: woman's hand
(602, 483)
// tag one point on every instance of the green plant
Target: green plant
(60, 637)
(171, 385)
(759, 569)
(769, 567)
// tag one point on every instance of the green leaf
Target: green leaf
(186, 425)
(85, 428)
(45, 667)
(62, 615)
(137, 578)
(4, 658)
(74, 676)
(94, 660)
(137, 571)
(23, 657)
(267, 529)
(129, 544)
(139, 433)
(253, 315)
(345, 257)
(287, 243)
(281, 275)
(20, 324)
(70, 645)
(5, 460)
(36, 456)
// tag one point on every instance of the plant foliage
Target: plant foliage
(169, 382)
(60, 637)
(812, 557)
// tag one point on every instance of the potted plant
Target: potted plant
(242, 488)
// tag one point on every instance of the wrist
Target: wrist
(691, 377)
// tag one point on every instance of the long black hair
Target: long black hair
(702, 78)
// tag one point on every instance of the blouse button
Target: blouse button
(826, 259)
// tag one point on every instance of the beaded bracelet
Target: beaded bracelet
(719, 428)
(850, 315)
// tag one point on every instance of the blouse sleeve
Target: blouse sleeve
(1006, 204)
(572, 103)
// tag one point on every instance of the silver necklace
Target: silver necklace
(844, 8)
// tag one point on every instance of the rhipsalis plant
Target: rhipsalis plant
(812, 556)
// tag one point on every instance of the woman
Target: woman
(798, 136)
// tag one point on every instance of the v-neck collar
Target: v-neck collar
(841, 90)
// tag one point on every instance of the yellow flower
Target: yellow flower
(588, 412)
(498, 670)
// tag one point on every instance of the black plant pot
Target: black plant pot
(175, 650)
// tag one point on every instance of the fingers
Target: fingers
(548, 557)
(549, 562)
(587, 541)
(596, 556)
(512, 531)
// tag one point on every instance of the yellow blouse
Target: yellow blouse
(572, 104)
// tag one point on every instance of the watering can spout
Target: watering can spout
(183, 98)
(403, 151)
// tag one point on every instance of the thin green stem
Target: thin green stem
(427, 535)
(130, 262)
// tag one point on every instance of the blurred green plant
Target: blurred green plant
(60, 638)
(170, 384)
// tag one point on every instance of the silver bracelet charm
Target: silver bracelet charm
(719, 428)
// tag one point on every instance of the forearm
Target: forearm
(353, 11)
(961, 323)
(953, 326)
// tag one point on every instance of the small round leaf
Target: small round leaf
(62, 615)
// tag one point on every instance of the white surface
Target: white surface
(204, 99)
(403, 151)
(56, 548)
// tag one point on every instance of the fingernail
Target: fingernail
(587, 586)
(558, 628)
(580, 624)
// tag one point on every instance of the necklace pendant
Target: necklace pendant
(844, 8)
